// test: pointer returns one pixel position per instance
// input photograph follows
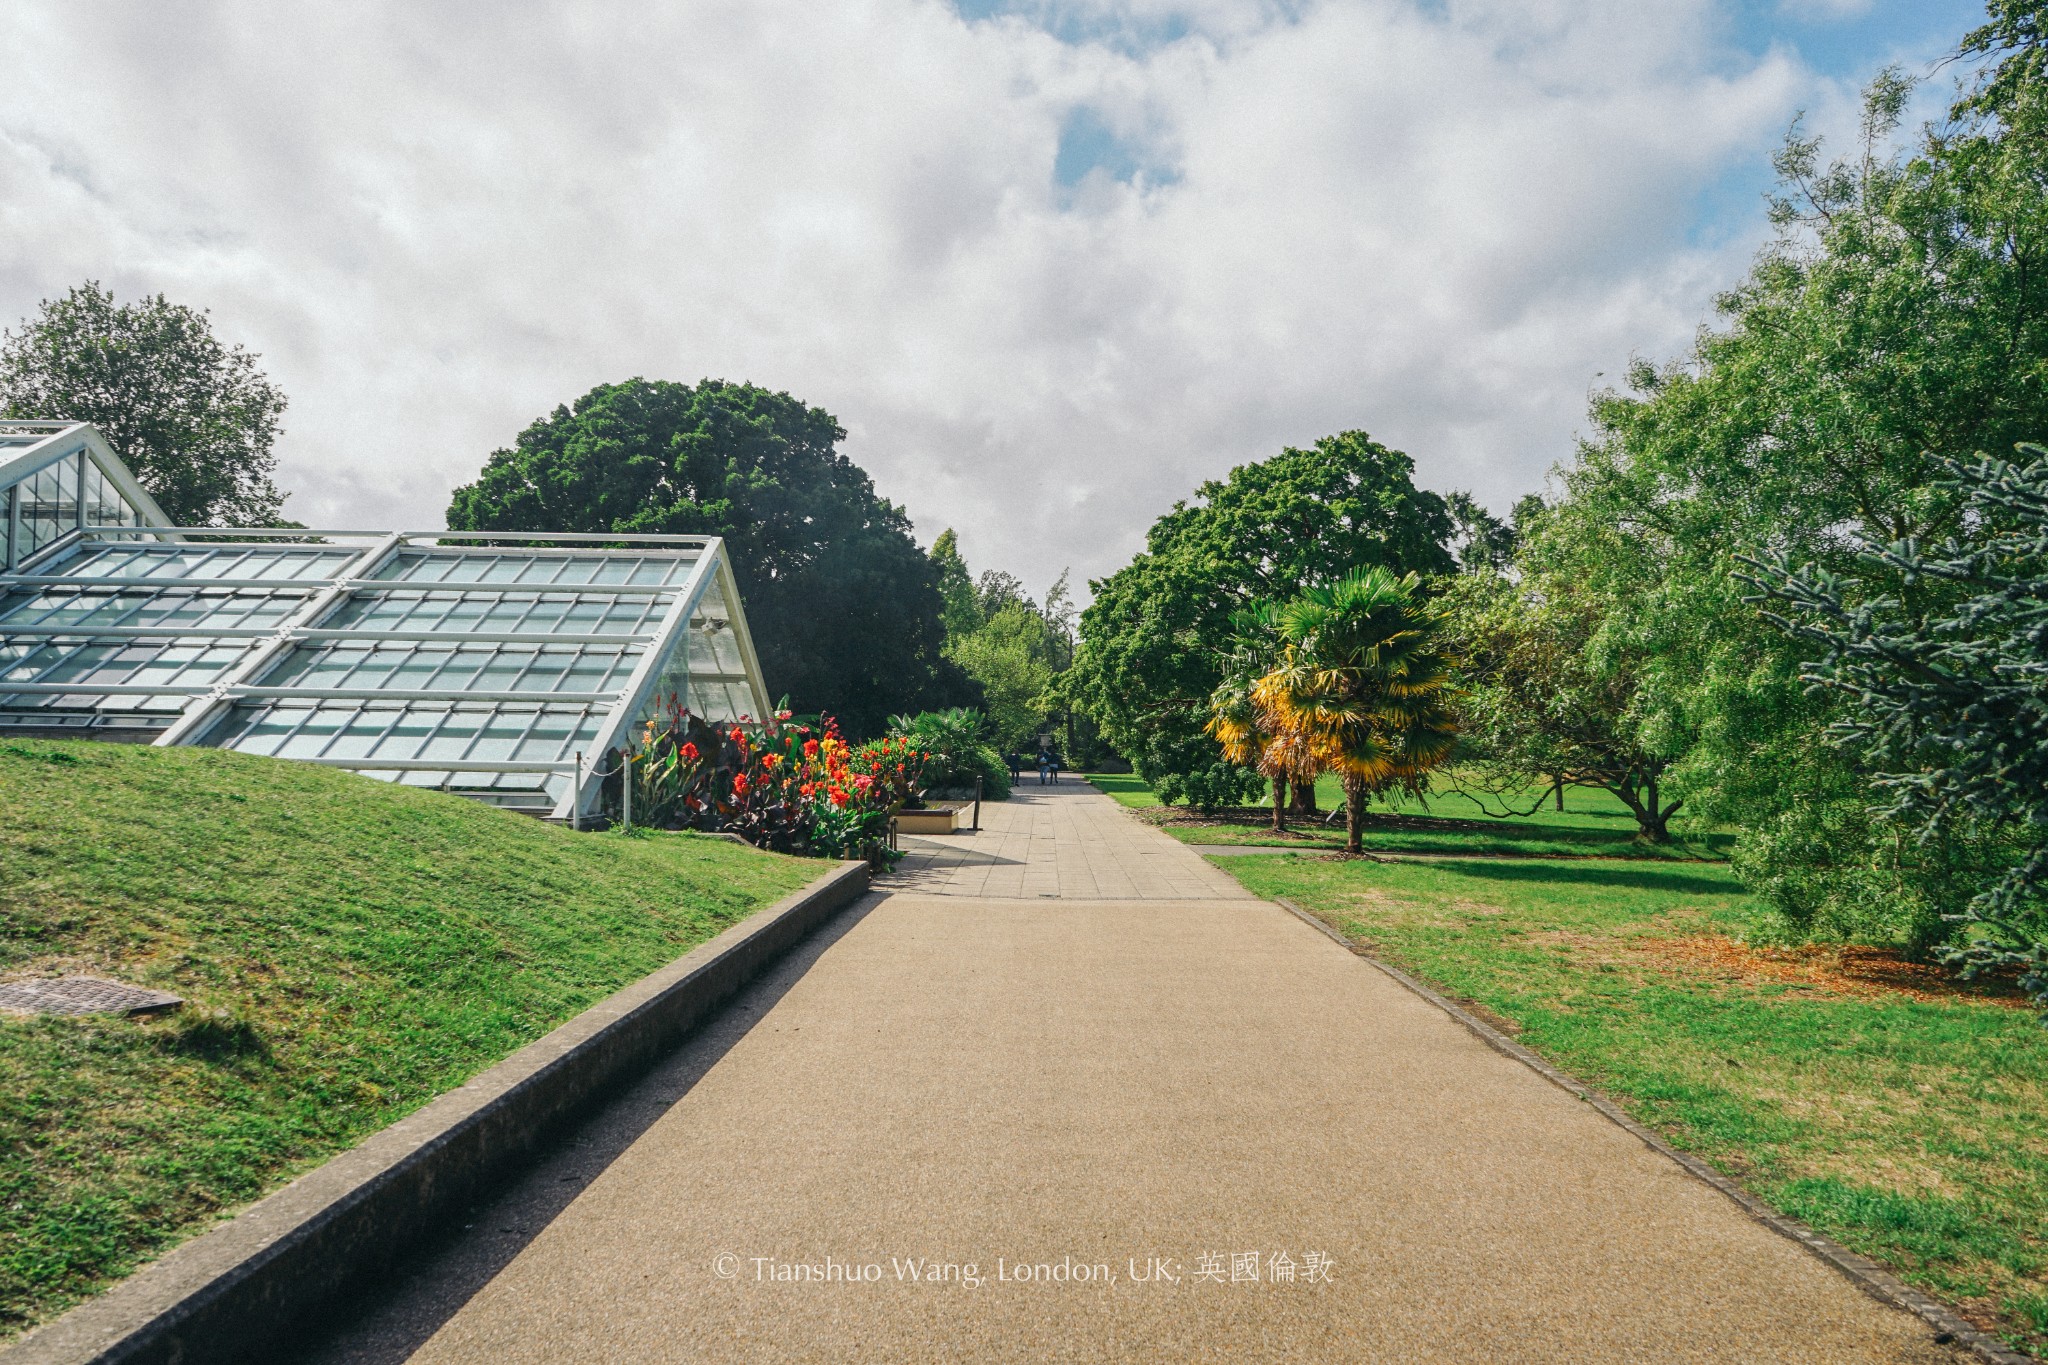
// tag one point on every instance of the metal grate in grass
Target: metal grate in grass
(83, 995)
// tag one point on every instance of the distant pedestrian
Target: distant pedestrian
(1016, 762)
(1054, 759)
(1044, 767)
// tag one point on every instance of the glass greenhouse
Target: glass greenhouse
(493, 665)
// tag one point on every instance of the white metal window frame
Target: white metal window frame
(315, 600)
(29, 448)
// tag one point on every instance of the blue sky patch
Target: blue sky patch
(1087, 143)
(1082, 24)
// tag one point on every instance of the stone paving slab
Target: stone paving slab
(1065, 840)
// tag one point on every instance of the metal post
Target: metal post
(575, 810)
(977, 805)
(626, 792)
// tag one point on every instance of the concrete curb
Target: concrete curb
(1873, 1279)
(231, 1294)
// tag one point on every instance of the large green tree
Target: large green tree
(1008, 644)
(193, 418)
(1538, 704)
(844, 606)
(1947, 703)
(1902, 310)
(1154, 640)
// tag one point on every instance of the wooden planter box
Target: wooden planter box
(930, 820)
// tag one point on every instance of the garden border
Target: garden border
(1950, 1327)
(234, 1293)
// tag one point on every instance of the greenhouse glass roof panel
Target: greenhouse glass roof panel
(503, 666)
(501, 673)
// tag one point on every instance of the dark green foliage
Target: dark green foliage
(192, 418)
(844, 607)
(959, 754)
(1945, 690)
(1484, 541)
(1153, 640)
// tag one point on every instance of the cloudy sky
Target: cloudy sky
(1050, 262)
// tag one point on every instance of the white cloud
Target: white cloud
(436, 223)
(1823, 10)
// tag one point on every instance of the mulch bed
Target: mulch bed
(1845, 969)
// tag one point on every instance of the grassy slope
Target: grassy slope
(1907, 1128)
(350, 949)
(1593, 823)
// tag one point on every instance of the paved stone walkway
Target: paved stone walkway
(1066, 840)
(1271, 1151)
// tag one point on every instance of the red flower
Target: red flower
(810, 748)
(838, 797)
(739, 785)
(690, 754)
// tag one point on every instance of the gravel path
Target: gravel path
(1178, 1127)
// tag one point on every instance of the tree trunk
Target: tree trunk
(1354, 815)
(1557, 786)
(1658, 827)
(1301, 803)
(1653, 819)
(1280, 805)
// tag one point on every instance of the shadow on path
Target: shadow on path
(395, 1317)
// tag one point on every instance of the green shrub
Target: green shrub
(958, 751)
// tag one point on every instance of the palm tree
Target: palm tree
(1362, 687)
(1242, 717)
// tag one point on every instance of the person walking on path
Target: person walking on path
(1044, 767)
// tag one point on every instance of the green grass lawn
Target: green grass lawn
(348, 949)
(1893, 1110)
(1593, 823)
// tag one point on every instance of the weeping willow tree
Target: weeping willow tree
(1358, 685)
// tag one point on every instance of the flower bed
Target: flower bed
(787, 787)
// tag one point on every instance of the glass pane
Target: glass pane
(49, 505)
(104, 505)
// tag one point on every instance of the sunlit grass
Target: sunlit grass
(1906, 1128)
(349, 950)
(1593, 823)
